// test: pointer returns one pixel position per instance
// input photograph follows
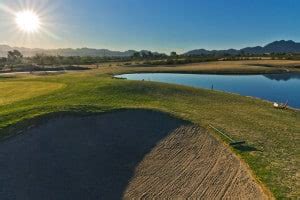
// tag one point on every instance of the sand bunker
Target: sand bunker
(191, 164)
(125, 154)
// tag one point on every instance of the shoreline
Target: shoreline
(228, 92)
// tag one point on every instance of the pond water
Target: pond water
(279, 88)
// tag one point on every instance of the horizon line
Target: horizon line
(155, 51)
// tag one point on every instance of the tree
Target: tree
(2, 62)
(173, 54)
(14, 56)
(136, 55)
(39, 58)
(150, 54)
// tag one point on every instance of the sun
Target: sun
(27, 21)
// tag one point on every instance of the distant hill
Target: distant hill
(28, 52)
(281, 46)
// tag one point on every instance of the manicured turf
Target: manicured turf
(16, 91)
(273, 133)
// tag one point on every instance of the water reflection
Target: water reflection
(279, 88)
(283, 77)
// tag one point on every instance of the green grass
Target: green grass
(275, 133)
(15, 90)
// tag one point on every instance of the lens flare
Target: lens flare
(27, 21)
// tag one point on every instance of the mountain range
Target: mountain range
(281, 46)
(28, 52)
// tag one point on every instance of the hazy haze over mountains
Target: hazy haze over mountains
(281, 46)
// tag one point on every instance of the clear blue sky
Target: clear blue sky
(161, 25)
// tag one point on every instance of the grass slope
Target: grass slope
(275, 133)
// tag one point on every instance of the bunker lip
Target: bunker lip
(89, 155)
(28, 123)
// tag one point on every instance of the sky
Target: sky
(157, 25)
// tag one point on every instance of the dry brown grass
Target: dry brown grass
(226, 67)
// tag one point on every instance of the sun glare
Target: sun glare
(27, 21)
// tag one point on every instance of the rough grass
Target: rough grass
(274, 133)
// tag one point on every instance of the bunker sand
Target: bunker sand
(190, 163)
(125, 154)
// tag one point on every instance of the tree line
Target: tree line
(15, 58)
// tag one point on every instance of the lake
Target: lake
(273, 87)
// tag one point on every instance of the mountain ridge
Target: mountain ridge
(281, 46)
(28, 52)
